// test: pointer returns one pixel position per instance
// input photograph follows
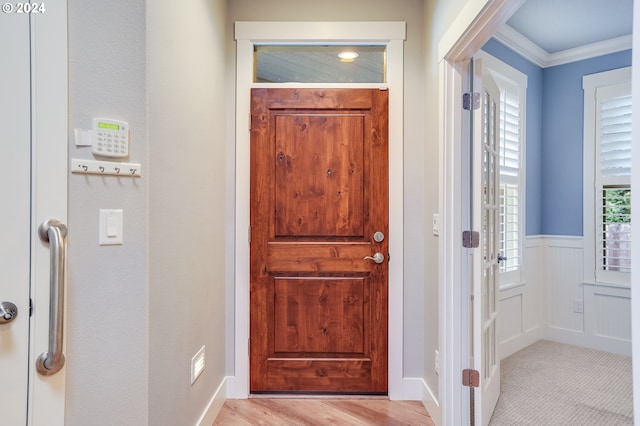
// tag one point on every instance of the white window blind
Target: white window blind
(613, 181)
(615, 135)
(510, 165)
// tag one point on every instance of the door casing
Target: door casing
(472, 28)
(392, 34)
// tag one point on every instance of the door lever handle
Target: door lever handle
(378, 258)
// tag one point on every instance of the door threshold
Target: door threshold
(315, 396)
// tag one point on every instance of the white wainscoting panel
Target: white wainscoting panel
(546, 304)
(519, 305)
(511, 311)
(608, 318)
(562, 273)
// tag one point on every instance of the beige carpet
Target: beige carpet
(551, 383)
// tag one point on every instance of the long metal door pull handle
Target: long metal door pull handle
(54, 232)
(378, 258)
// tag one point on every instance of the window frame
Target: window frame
(590, 85)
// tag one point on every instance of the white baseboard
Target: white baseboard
(412, 389)
(416, 389)
(517, 343)
(232, 389)
(215, 405)
(600, 343)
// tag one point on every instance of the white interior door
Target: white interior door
(486, 217)
(33, 188)
(15, 215)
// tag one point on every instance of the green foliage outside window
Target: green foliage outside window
(617, 205)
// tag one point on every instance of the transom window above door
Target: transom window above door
(319, 64)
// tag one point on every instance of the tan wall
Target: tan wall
(187, 117)
(417, 210)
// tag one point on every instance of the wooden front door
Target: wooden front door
(319, 195)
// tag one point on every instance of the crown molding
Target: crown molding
(522, 45)
(534, 53)
(593, 50)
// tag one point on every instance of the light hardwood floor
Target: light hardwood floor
(298, 412)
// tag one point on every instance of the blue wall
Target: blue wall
(562, 141)
(554, 138)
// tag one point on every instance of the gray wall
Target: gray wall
(415, 173)
(137, 313)
(107, 294)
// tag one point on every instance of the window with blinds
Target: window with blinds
(513, 89)
(510, 176)
(607, 177)
(613, 180)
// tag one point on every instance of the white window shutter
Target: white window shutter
(613, 182)
(510, 164)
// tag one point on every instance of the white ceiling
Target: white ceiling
(560, 25)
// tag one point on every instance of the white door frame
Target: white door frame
(473, 27)
(392, 34)
(635, 205)
(49, 192)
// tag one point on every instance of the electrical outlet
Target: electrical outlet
(578, 306)
(437, 362)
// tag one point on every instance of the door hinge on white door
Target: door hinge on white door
(470, 239)
(471, 101)
(470, 378)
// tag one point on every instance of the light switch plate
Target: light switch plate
(110, 227)
(436, 224)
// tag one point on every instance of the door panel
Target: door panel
(486, 216)
(303, 190)
(33, 146)
(319, 192)
(15, 191)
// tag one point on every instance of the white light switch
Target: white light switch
(110, 228)
(436, 224)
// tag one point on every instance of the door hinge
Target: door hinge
(471, 101)
(30, 307)
(470, 378)
(470, 239)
